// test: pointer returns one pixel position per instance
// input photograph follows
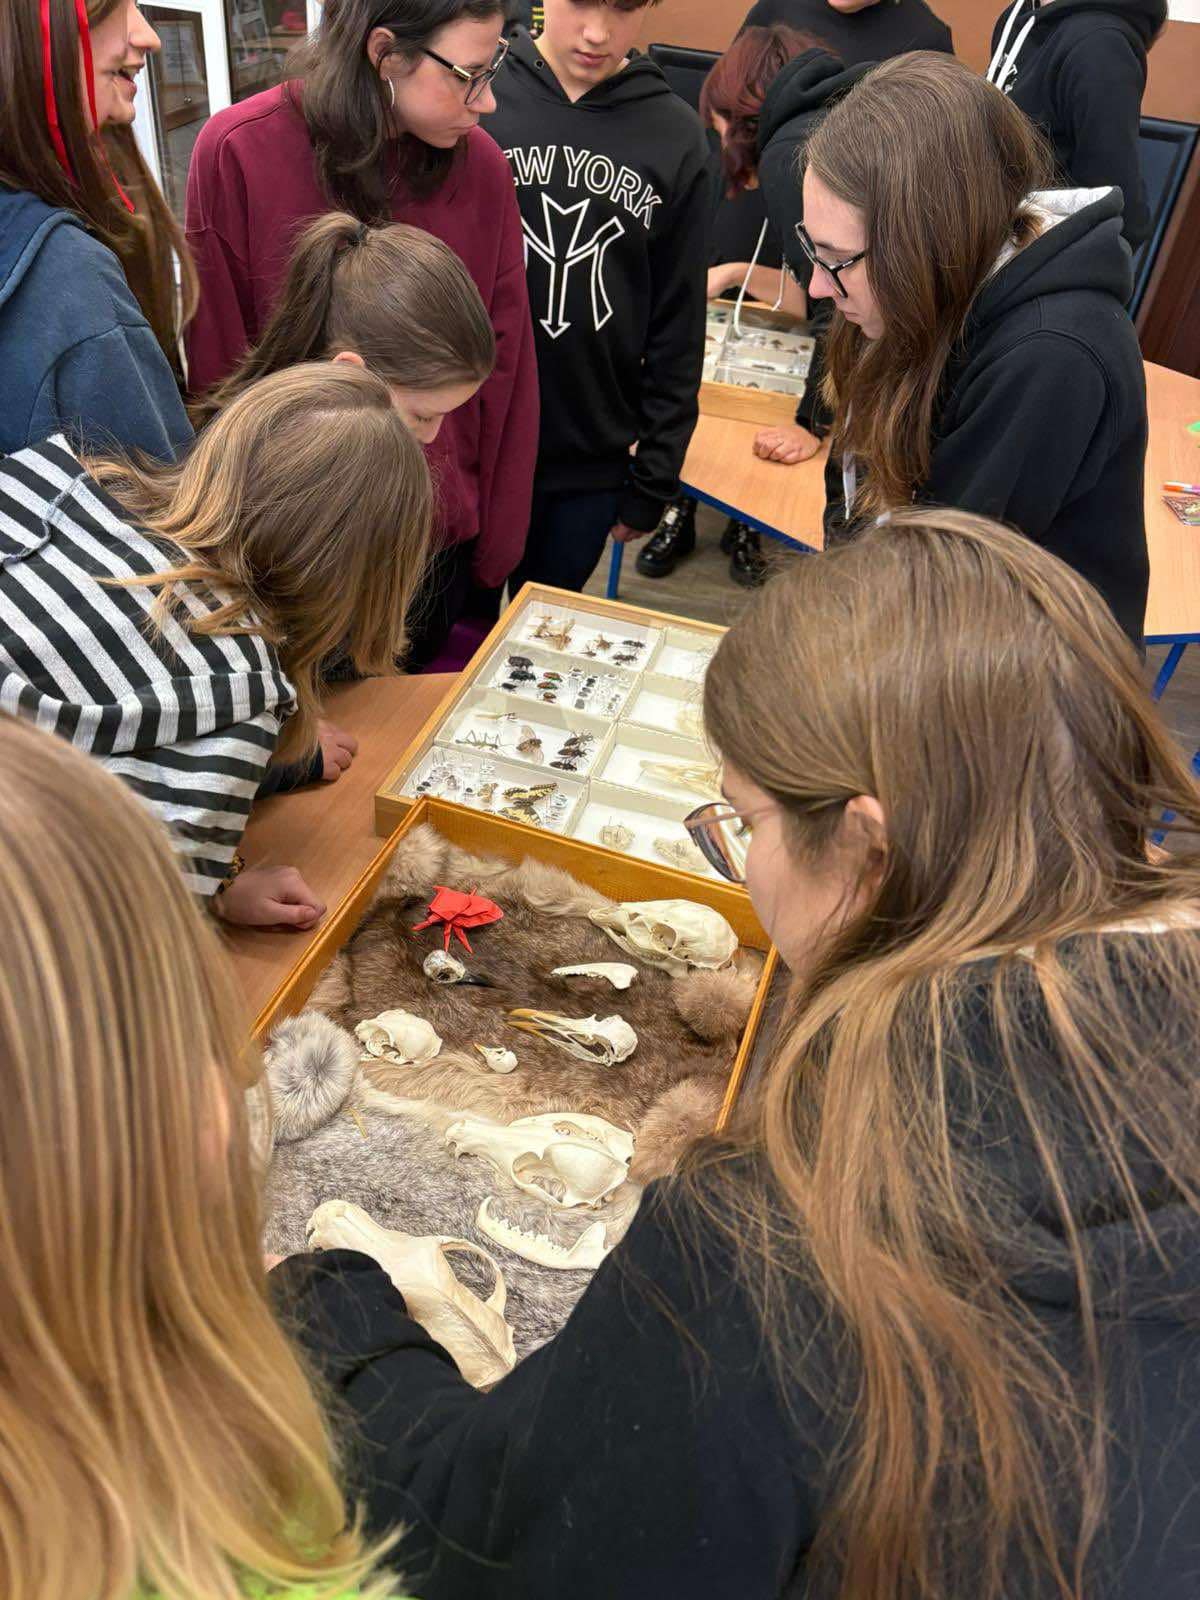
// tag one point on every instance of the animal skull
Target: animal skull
(602, 1040)
(568, 1158)
(472, 1330)
(499, 1059)
(400, 1037)
(673, 934)
(619, 973)
(587, 1252)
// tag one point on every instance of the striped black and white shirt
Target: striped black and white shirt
(189, 722)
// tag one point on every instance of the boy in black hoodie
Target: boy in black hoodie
(1078, 69)
(611, 178)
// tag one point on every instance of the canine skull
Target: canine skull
(673, 934)
(400, 1037)
(602, 1040)
(569, 1158)
(472, 1330)
(588, 1251)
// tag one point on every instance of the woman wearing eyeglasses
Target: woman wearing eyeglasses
(926, 1321)
(980, 354)
(382, 121)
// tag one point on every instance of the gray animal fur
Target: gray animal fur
(374, 1137)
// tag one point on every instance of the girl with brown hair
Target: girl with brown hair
(925, 1321)
(172, 619)
(160, 1436)
(394, 300)
(89, 310)
(980, 354)
(382, 121)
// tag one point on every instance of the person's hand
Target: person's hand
(726, 276)
(787, 445)
(269, 897)
(338, 750)
(623, 534)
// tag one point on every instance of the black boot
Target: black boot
(747, 564)
(674, 538)
(729, 535)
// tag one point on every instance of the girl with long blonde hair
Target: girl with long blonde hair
(159, 1433)
(980, 354)
(925, 1321)
(172, 619)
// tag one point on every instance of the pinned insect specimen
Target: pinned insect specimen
(602, 644)
(495, 716)
(480, 741)
(529, 818)
(689, 720)
(693, 778)
(616, 835)
(679, 853)
(566, 766)
(556, 633)
(530, 746)
(634, 644)
(531, 795)
(487, 793)
(625, 659)
(519, 661)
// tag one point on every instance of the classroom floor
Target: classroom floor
(700, 587)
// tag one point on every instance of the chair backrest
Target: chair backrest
(685, 70)
(1164, 150)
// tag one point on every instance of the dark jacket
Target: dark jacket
(645, 1453)
(876, 33)
(614, 199)
(1041, 416)
(793, 105)
(76, 354)
(1078, 69)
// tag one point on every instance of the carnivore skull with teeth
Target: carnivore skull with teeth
(568, 1158)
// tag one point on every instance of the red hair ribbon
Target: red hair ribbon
(89, 78)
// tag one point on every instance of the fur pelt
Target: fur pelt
(361, 1146)
(544, 926)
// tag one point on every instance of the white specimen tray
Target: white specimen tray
(496, 672)
(646, 816)
(670, 705)
(551, 724)
(588, 633)
(683, 654)
(631, 746)
(507, 775)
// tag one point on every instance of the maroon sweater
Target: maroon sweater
(253, 185)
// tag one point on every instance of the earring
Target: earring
(391, 83)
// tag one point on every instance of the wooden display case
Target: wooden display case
(744, 404)
(665, 683)
(617, 876)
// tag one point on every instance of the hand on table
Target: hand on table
(623, 534)
(338, 750)
(788, 445)
(269, 897)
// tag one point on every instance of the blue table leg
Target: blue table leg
(1167, 671)
(614, 571)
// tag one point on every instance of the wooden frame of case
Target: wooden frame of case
(739, 404)
(619, 877)
(392, 807)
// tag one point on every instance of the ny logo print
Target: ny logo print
(563, 249)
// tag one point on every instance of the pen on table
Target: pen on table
(1181, 488)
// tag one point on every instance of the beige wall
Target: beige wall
(1173, 89)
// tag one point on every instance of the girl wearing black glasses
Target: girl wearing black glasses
(980, 354)
(382, 121)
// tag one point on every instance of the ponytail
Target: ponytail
(395, 296)
(296, 331)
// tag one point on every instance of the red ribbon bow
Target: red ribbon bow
(457, 911)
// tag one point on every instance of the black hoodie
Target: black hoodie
(1078, 69)
(645, 1453)
(878, 32)
(615, 203)
(798, 97)
(1041, 416)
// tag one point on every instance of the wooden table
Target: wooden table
(786, 502)
(327, 830)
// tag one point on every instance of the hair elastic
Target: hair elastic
(51, 103)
